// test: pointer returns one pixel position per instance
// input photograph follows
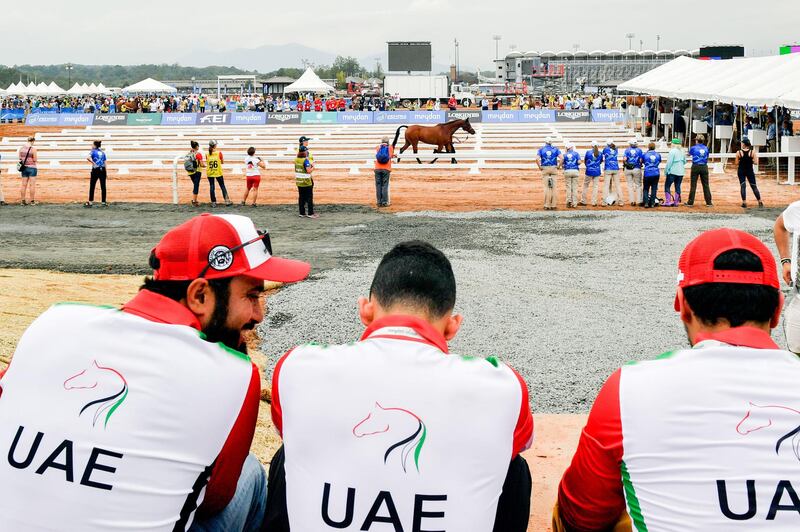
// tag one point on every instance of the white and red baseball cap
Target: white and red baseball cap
(696, 265)
(216, 246)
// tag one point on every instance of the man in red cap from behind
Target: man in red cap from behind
(706, 438)
(141, 418)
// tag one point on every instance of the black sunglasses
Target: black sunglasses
(222, 254)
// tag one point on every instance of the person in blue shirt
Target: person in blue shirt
(699, 154)
(611, 175)
(651, 160)
(571, 164)
(548, 161)
(97, 158)
(593, 160)
(633, 172)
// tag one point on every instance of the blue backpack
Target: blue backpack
(383, 156)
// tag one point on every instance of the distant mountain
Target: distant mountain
(271, 57)
(264, 58)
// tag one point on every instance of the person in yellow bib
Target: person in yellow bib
(214, 164)
(303, 170)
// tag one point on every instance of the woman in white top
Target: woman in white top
(252, 166)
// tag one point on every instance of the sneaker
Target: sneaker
(301, 215)
(213, 204)
(760, 204)
(87, 204)
(104, 204)
(314, 216)
(3, 203)
(582, 204)
(33, 202)
(744, 205)
(709, 204)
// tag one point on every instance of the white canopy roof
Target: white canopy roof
(308, 82)
(150, 85)
(12, 89)
(54, 89)
(101, 89)
(75, 89)
(772, 80)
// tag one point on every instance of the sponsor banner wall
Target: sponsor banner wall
(112, 119)
(283, 118)
(213, 119)
(42, 119)
(474, 116)
(324, 117)
(608, 115)
(391, 117)
(355, 117)
(12, 114)
(76, 119)
(544, 116)
(581, 115)
(144, 119)
(248, 119)
(427, 117)
(500, 117)
(179, 119)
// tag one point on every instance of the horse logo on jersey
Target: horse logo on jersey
(396, 423)
(761, 417)
(107, 383)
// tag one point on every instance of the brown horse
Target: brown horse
(440, 135)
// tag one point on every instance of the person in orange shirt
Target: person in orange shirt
(383, 168)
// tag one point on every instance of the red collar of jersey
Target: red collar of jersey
(427, 334)
(740, 336)
(155, 307)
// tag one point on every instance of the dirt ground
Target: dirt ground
(411, 188)
(556, 434)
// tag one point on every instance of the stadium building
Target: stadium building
(567, 71)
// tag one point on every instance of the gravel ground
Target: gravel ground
(565, 298)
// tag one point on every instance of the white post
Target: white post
(175, 179)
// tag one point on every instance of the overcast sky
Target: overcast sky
(157, 31)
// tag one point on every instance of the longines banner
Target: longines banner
(530, 116)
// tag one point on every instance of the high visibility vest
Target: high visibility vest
(112, 422)
(214, 164)
(301, 176)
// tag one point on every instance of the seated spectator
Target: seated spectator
(142, 418)
(677, 438)
(396, 430)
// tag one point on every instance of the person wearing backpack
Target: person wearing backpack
(383, 168)
(192, 162)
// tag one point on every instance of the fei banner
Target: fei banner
(608, 115)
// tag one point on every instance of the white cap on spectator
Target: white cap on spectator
(594, 144)
(609, 142)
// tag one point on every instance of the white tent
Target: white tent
(75, 89)
(54, 89)
(92, 89)
(41, 88)
(308, 82)
(752, 80)
(150, 85)
(29, 89)
(85, 88)
(12, 89)
(101, 89)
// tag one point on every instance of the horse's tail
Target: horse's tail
(397, 135)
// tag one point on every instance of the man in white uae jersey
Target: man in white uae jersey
(787, 236)
(141, 418)
(706, 438)
(393, 432)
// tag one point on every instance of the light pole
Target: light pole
(630, 37)
(69, 68)
(455, 41)
(497, 39)
(658, 43)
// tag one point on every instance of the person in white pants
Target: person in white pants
(611, 175)
(787, 234)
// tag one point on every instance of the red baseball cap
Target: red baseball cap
(696, 265)
(219, 246)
